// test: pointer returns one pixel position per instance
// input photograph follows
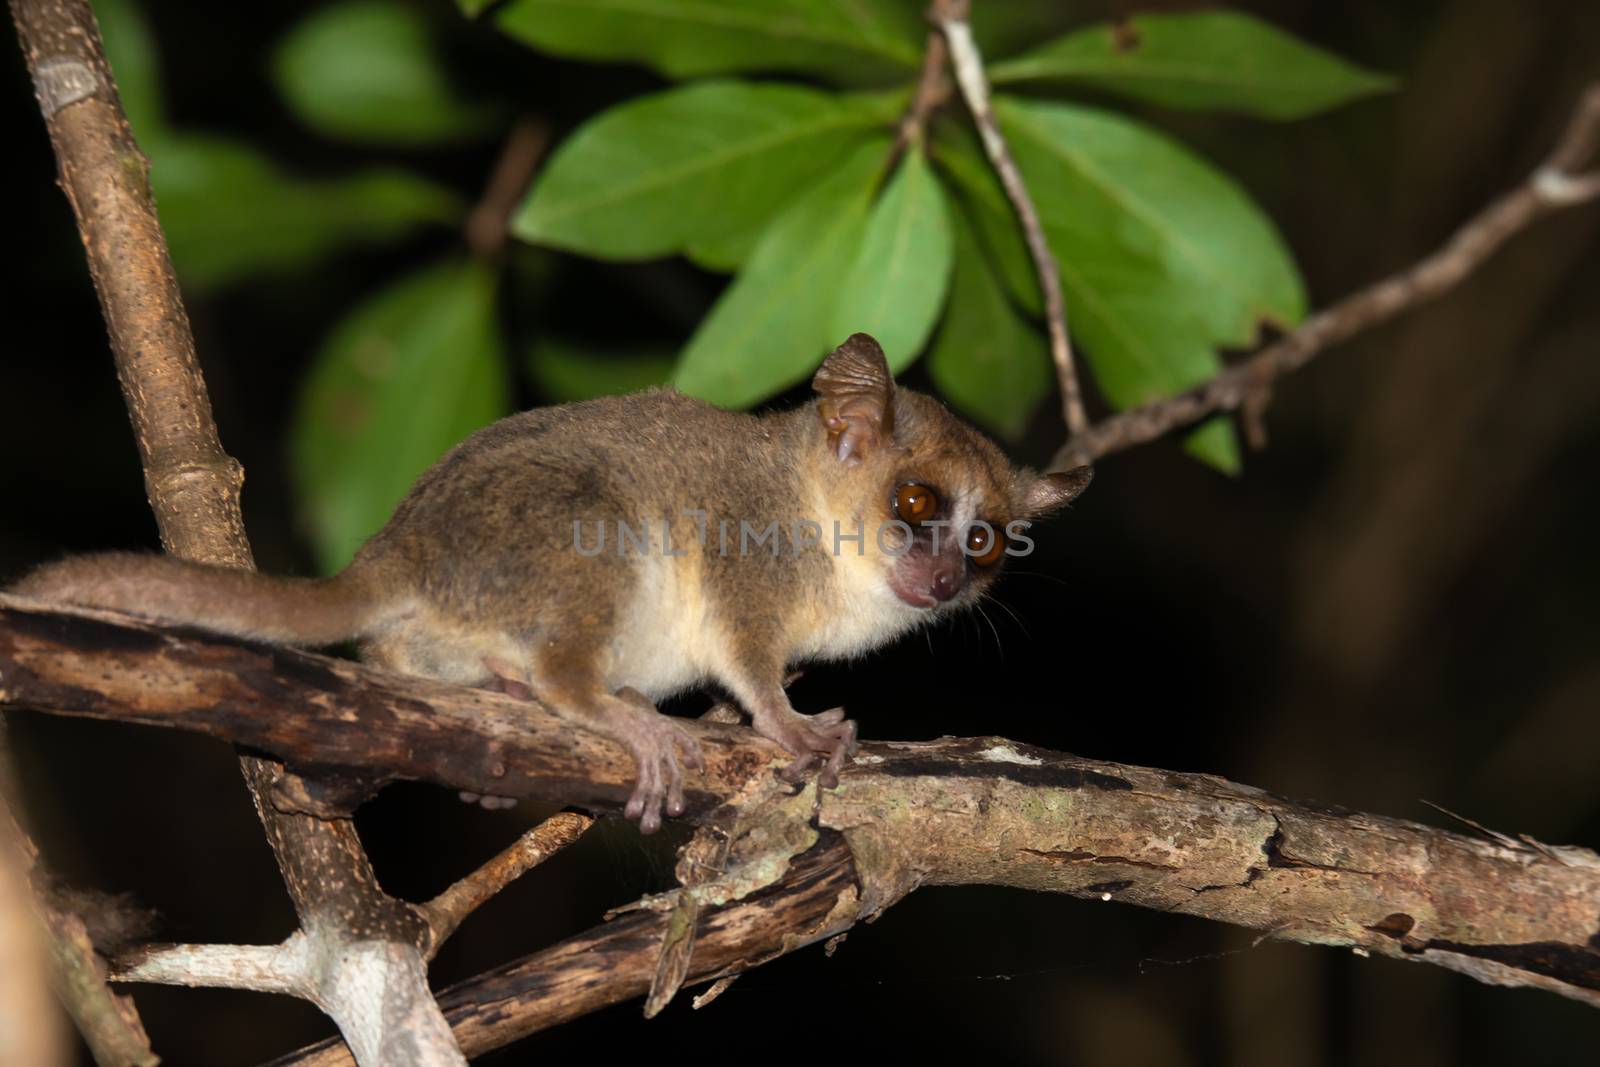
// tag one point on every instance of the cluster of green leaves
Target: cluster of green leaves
(794, 187)
(232, 213)
(417, 365)
(1164, 259)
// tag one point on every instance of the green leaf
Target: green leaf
(135, 63)
(400, 380)
(1208, 61)
(1162, 258)
(1135, 323)
(1004, 29)
(987, 360)
(957, 153)
(896, 288)
(230, 212)
(773, 324)
(1121, 184)
(1216, 443)
(853, 41)
(564, 372)
(366, 70)
(703, 168)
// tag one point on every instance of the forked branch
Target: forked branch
(379, 998)
(981, 810)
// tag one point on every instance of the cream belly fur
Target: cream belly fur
(675, 642)
(667, 644)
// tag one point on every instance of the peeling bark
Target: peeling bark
(948, 812)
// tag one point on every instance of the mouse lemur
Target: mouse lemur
(607, 554)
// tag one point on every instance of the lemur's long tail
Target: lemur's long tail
(287, 611)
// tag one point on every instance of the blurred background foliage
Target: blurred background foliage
(1395, 601)
(791, 186)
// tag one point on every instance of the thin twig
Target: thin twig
(1555, 185)
(933, 89)
(1496, 836)
(445, 911)
(487, 223)
(109, 1023)
(951, 18)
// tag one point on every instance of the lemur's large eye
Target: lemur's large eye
(984, 545)
(915, 503)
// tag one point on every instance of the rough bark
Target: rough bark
(617, 961)
(954, 811)
(193, 485)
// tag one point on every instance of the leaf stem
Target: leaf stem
(487, 224)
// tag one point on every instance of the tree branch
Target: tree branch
(951, 18)
(30, 1017)
(446, 911)
(1305, 874)
(262, 968)
(956, 811)
(933, 89)
(193, 486)
(487, 223)
(617, 961)
(1556, 184)
(334, 716)
(36, 937)
(803, 866)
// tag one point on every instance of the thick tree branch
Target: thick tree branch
(946, 812)
(950, 16)
(332, 716)
(193, 487)
(1374, 885)
(1557, 184)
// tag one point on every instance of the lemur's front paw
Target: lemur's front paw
(828, 739)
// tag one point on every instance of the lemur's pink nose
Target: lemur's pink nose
(947, 579)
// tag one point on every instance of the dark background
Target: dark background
(1396, 601)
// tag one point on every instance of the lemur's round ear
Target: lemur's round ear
(855, 398)
(1047, 492)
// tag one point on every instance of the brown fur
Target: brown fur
(477, 577)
